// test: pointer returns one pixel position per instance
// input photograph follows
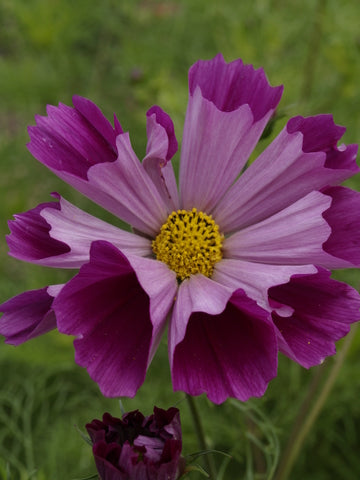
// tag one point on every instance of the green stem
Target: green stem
(210, 464)
(301, 427)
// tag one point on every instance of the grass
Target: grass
(127, 56)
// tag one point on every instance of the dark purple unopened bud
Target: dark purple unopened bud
(137, 447)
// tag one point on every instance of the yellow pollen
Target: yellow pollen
(189, 242)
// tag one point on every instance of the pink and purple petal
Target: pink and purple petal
(95, 117)
(323, 311)
(73, 139)
(160, 284)
(81, 147)
(161, 147)
(30, 239)
(78, 230)
(322, 134)
(293, 236)
(124, 188)
(231, 354)
(229, 106)
(162, 143)
(196, 294)
(297, 162)
(256, 278)
(58, 234)
(230, 85)
(344, 219)
(28, 315)
(210, 143)
(108, 311)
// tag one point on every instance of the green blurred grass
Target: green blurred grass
(127, 56)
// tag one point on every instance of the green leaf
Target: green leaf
(83, 435)
(196, 468)
(122, 409)
(193, 456)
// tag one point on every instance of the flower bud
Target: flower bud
(138, 447)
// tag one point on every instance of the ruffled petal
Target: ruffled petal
(209, 155)
(256, 278)
(73, 139)
(323, 311)
(322, 134)
(293, 236)
(160, 284)
(124, 188)
(95, 117)
(344, 219)
(108, 310)
(231, 354)
(297, 162)
(80, 146)
(103, 451)
(229, 106)
(230, 85)
(28, 315)
(78, 230)
(162, 143)
(161, 147)
(30, 239)
(196, 294)
(60, 234)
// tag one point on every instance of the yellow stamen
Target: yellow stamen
(189, 242)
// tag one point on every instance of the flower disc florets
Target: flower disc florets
(189, 243)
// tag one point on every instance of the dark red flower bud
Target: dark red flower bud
(138, 447)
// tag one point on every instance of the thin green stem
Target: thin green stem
(304, 408)
(210, 464)
(302, 428)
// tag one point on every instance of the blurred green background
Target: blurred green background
(127, 55)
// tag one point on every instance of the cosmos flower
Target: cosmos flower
(235, 261)
(137, 447)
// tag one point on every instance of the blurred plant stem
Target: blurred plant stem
(310, 409)
(312, 51)
(209, 460)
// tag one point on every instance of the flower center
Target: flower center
(189, 242)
